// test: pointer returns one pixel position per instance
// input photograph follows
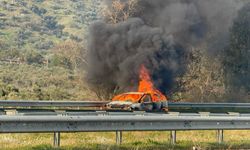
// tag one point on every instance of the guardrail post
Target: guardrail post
(220, 136)
(118, 137)
(56, 139)
(173, 137)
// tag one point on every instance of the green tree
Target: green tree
(32, 56)
(69, 54)
(236, 60)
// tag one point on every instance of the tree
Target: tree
(37, 10)
(33, 56)
(119, 11)
(236, 60)
(70, 54)
(204, 80)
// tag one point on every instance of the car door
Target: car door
(146, 103)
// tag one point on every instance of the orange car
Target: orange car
(147, 96)
(138, 101)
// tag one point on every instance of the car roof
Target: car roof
(139, 93)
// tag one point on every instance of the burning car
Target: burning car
(147, 97)
(137, 101)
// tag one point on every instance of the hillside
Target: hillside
(40, 24)
(191, 57)
(30, 65)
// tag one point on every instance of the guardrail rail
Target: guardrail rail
(20, 120)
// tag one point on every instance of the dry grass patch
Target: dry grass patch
(131, 140)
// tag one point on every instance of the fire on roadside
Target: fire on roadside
(146, 86)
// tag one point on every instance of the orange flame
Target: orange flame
(146, 85)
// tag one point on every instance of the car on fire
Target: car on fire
(138, 101)
(147, 97)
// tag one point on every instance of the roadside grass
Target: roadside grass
(158, 140)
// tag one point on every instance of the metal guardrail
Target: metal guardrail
(16, 124)
(172, 106)
(210, 107)
(22, 121)
(179, 106)
(131, 122)
(34, 103)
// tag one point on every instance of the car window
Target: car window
(146, 99)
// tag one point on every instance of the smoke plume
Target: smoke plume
(159, 35)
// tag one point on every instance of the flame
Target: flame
(146, 85)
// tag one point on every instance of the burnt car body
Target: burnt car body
(137, 101)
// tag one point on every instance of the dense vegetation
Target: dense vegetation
(41, 82)
(39, 25)
(43, 49)
(40, 45)
(42, 57)
(236, 59)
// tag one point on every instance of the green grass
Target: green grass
(131, 140)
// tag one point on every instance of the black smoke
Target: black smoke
(159, 35)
